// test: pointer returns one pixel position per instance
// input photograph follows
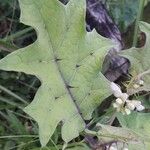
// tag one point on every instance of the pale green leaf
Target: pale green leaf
(83, 147)
(107, 134)
(140, 62)
(139, 123)
(75, 147)
(67, 60)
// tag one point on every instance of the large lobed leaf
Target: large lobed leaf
(67, 60)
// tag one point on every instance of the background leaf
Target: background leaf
(139, 123)
(107, 134)
(83, 147)
(124, 12)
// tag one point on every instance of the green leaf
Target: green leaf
(84, 147)
(140, 62)
(139, 123)
(77, 147)
(124, 12)
(67, 60)
(16, 124)
(107, 133)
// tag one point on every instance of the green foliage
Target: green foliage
(107, 134)
(84, 147)
(140, 70)
(110, 133)
(140, 123)
(16, 125)
(140, 62)
(6, 2)
(124, 12)
(76, 147)
(67, 60)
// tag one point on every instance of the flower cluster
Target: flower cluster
(122, 103)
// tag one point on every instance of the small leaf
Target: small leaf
(67, 60)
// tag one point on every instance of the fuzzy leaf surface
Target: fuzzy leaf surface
(67, 60)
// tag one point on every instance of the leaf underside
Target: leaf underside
(67, 60)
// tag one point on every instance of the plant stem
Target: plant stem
(112, 119)
(5, 46)
(18, 136)
(139, 15)
(13, 94)
(123, 14)
(10, 102)
(18, 34)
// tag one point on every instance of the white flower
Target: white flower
(125, 148)
(127, 111)
(115, 105)
(122, 103)
(135, 104)
(130, 105)
(121, 98)
(141, 82)
(140, 108)
(113, 148)
(138, 105)
(124, 96)
(117, 92)
(119, 101)
(138, 84)
(115, 89)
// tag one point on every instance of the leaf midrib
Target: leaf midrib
(59, 70)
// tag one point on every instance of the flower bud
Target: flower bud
(119, 101)
(127, 111)
(130, 105)
(115, 89)
(140, 108)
